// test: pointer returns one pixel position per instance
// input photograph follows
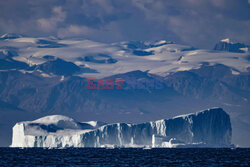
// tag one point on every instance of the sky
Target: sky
(200, 23)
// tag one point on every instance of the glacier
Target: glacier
(158, 57)
(208, 128)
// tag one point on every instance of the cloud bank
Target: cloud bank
(194, 22)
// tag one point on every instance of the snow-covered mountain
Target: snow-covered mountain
(9, 36)
(209, 128)
(47, 76)
(227, 45)
(160, 57)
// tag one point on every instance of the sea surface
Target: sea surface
(124, 157)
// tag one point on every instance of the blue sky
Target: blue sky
(200, 23)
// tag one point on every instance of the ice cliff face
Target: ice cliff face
(210, 128)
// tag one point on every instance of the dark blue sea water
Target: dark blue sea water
(124, 157)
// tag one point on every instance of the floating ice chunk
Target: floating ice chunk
(210, 128)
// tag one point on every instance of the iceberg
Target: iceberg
(208, 128)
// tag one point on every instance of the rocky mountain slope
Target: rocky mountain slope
(44, 76)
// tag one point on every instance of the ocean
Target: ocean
(125, 157)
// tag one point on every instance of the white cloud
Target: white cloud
(75, 30)
(50, 24)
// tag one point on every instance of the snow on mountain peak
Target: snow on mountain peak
(158, 57)
(228, 46)
(227, 40)
(9, 36)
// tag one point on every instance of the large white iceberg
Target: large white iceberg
(209, 128)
